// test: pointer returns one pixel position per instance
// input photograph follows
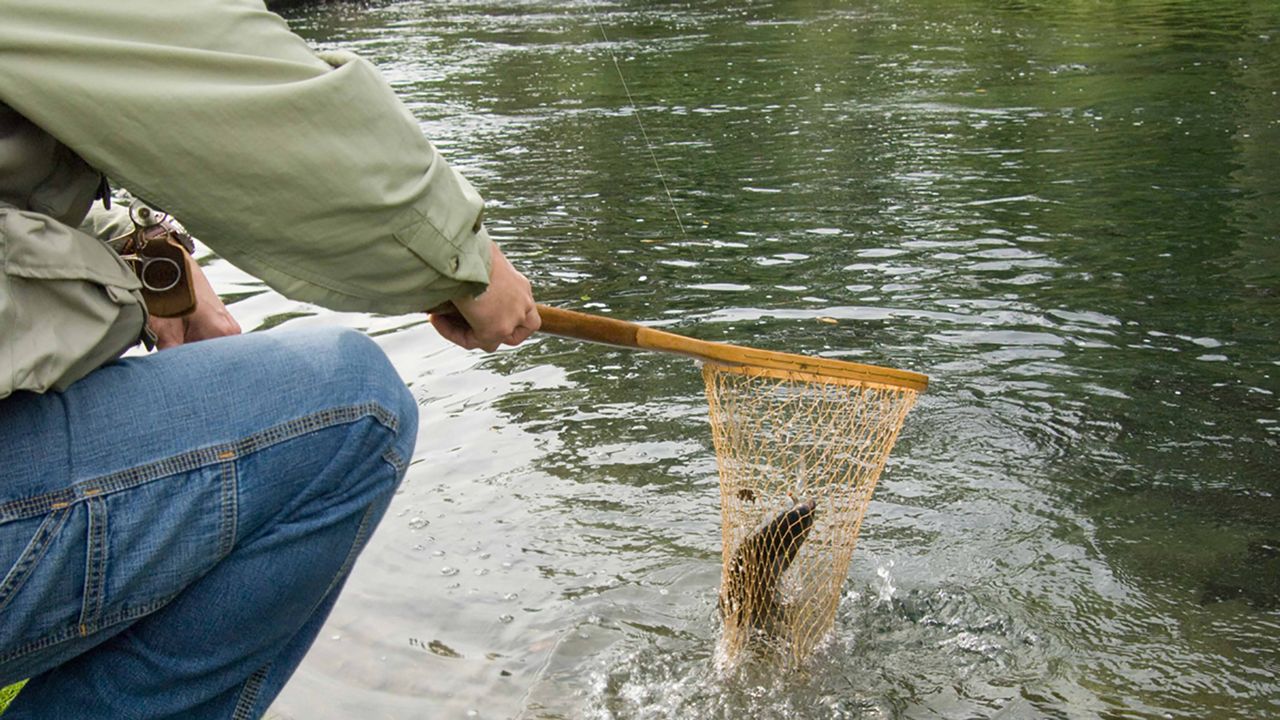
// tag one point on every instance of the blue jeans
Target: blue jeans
(175, 528)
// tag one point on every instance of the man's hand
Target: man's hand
(503, 314)
(210, 319)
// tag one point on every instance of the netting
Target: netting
(799, 455)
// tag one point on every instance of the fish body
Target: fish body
(752, 595)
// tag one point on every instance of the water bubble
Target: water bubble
(506, 618)
(448, 571)
(510, 596)
(418, 522)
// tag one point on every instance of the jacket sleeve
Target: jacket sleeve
(303, 169)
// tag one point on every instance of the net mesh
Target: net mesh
(799, 455)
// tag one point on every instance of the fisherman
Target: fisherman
(176, 526)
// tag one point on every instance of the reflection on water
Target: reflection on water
(1065, 213)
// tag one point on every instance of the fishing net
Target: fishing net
(799, 454)
(800, 442)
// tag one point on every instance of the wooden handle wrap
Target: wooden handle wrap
(581, 326)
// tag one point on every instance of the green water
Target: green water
(1065, 213)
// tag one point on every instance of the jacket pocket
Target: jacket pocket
(68, 304)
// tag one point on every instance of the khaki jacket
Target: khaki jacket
(303, 169)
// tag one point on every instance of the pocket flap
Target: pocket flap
(36, 247)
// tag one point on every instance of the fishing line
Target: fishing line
(636, 111)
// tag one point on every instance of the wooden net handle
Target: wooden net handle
(594, 328)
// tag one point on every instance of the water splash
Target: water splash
(886, 589)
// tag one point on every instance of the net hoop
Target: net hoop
(816, 369)
(802, 376)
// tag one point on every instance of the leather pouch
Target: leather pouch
(159, 255)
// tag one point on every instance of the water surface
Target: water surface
(1065, 213)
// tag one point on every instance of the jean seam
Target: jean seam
(194, 460)
(73, 632)
(397, 463)
(229, 519)
(249, 694)
(357, 544)
(95, 569)
(30, 557)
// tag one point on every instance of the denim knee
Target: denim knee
(354, 367)
(303, 431)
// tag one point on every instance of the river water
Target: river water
(1066, 213)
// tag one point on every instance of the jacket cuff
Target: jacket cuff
(446, 232)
